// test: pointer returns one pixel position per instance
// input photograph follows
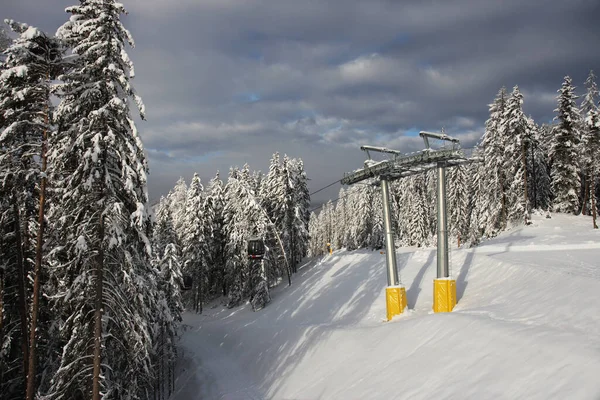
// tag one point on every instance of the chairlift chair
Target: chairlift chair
(256, 248)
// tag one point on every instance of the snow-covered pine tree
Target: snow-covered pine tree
(564, 155)
(491, 202)
(106, 297)
(362, 214)
(517, 139)
(270, 193)
(285, 207)
(215, 236)
(590, 113)
(177, 199)
(377, 238)
(539, 187)
(458, 203)
(30, 62)
(168, 317)
(351, 237)
(430, 199)
(5, 40)
(476, 170)
(314, 248)
(401, 193)
(418, 224)
(341, 218)
(244, 219)
(300, 208)
(164, 232)
(194, 244)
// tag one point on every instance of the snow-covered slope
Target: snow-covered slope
(527, 325)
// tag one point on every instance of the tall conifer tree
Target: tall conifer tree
(564, 152)
(106, 285)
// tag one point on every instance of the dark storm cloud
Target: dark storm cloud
(232, 81)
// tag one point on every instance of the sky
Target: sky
(229, 82)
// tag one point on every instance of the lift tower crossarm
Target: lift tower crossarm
(441, 136)
(379, 149)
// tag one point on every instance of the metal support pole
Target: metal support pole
(390, 248)
(442, 236)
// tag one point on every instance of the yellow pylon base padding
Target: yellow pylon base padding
(444, 295)
(395, 300)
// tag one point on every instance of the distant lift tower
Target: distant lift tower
(400, 166)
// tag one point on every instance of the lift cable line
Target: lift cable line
(401, 165)
(328, 186)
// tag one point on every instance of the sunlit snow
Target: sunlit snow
(526, 326)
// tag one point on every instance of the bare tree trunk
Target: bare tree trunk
(21, 288)
(161, 355)
(1, 318)
(534, 178)
(37, 272)
(98, 314)
(586, 192)
(593, 196)
(1, 311)
(525, 194)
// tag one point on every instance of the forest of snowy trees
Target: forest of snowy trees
(86, 308)
(91, 281)
(525, 167)
(207, 230)
(90, 286)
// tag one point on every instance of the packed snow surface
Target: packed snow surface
(527, 325)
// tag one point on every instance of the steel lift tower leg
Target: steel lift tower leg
(444, 288)
(395, 293)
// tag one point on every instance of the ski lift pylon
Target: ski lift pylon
(256, 248)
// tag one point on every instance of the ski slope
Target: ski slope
(527, 325)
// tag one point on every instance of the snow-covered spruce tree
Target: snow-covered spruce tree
(284, 208)
(517, 139)
(5, 40)
(430, 198)
(215, 236)
(401, 192)
(418, 228)
(300, 197)
(341, 218)
(106, 286)
(564, 156)
(377, 237)
(361, 220)
(537, 161)
(491, 202)
(590, 144)
(164, 232)
(244, 219)
(168, 317)
(177, 199)
(236, 231)
(30, 62)
(270, 193)
(476, 170)
(314, 250)
(194, 243)
(458, 203)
